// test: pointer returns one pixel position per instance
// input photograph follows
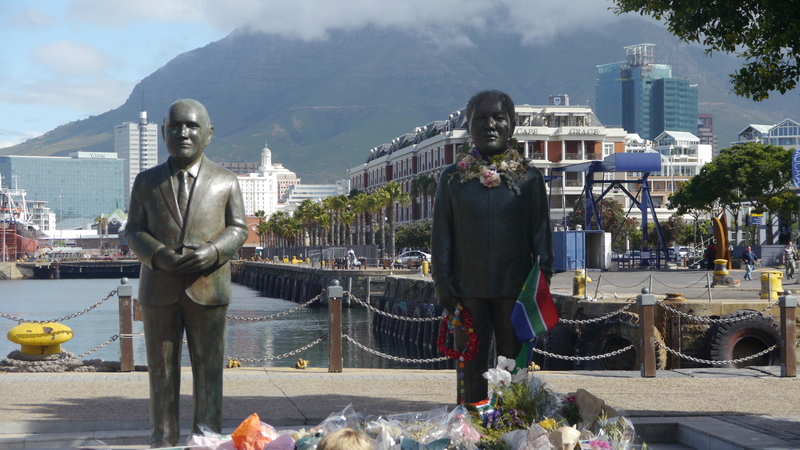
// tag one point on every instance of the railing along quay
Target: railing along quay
(417, 326)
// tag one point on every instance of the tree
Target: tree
(751, 172)
(378, 203)
(612, 216)
(764, 33)
(102, 227)
(260, 215)
(415, 234)
(394, 194)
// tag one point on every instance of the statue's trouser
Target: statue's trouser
(489, 315)
(205, 333)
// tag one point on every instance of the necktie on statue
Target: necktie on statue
(183, 193)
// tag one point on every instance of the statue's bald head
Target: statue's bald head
(187, 130)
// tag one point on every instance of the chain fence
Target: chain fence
(275, 316)
(391, 357)
(61, 319)
(586, 358)
(695, 318)
(718, 363)
(394, 316)
(277, 357)
(596, 319)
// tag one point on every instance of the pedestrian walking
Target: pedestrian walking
(710, 255)
(749, 259)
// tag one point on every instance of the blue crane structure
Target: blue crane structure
(644, 163)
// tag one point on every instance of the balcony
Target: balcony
(573, 156)
(573, 183)
(594, 156)
(537, 156)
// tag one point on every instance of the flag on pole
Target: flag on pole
(534, 313)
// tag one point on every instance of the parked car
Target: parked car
(415, 256)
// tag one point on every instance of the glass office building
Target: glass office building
(77, 188)
(642, 97)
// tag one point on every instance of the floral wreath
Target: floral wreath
(462, 319)
(508, 166)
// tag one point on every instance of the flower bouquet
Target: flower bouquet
(524, 413)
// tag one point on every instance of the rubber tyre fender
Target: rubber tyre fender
(734, 340)
(613, 334)
(560, 341)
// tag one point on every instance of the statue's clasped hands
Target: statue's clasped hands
(201, 257)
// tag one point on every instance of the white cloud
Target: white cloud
(90, 97)
(31, 18)
(71, 59)
(535, 20)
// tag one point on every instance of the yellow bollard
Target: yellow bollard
(424, 268)
(771, 284)
(40, 338)
(579, 282)
(721, 272)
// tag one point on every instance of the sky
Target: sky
(66, 60)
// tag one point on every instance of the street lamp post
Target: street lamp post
(61, 218)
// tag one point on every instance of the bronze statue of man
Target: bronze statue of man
(490, 224)
(186, 220)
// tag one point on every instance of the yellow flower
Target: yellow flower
(549, 424)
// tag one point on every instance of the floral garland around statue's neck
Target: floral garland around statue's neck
(508, 166)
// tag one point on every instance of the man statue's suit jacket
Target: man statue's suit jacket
(215, 215)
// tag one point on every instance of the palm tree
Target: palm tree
(395, 194)
(328, 204)
(359, 205)
(102, 228)
(262, 230)
(339, 203)
(304, 215)
(260, 215)
(347, 218)
(379, 202)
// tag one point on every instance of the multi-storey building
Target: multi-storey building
(260, 189)
(785, 133)
(682, 157)
(77, 188)
(754, 133)
(642, 97)
(705, 131)
(137, 144)
(42, 216)
(299, 192)
(551, 135)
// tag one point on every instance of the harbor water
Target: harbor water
(49, 299)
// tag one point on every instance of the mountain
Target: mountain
(320, 105)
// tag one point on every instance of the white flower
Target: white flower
(506, 364)
(503, 166)
(498, 377)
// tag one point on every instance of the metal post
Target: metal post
(708, 285)
(335, 293)
(368, 297)
(597, 288)
(647, 302)
(788, 305)
(650, 287)
(124, 292)
(349, 289)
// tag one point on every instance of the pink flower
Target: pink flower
(462, 165)
(490, 178)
